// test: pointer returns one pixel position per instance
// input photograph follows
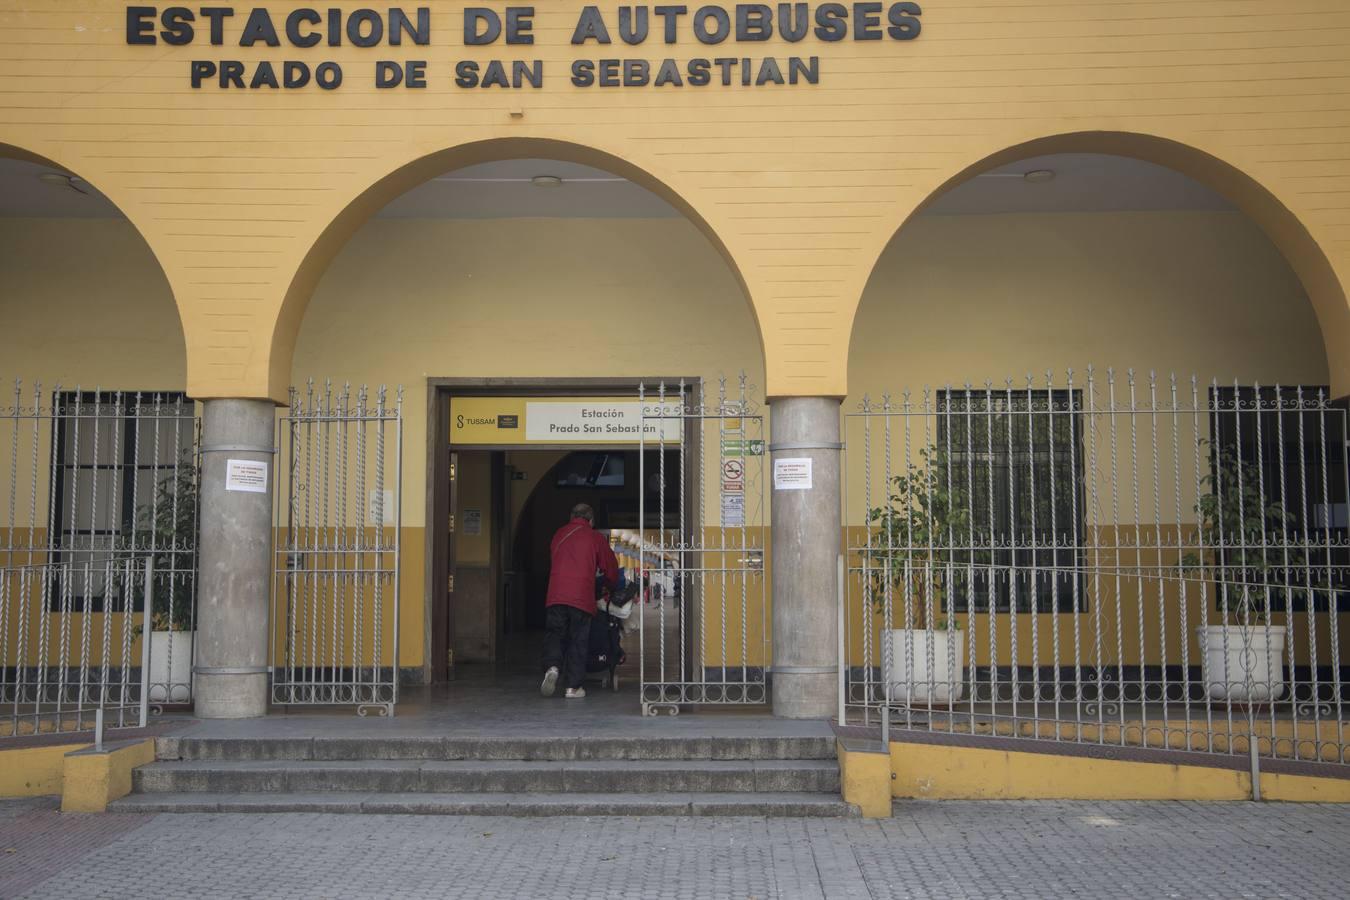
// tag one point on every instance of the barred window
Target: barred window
(1017, 458)
(1287, 449)
(117, 458)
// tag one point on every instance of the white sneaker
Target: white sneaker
(550, 682)
(575, 693)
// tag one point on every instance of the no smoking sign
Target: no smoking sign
(733, 475)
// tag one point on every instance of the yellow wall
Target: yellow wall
(933, 772)
(1110, 631)
(246, 196)
(412, 299)
(956, 297)
(741, 601)
(85, 303)
(965, 299)
(94, 778)
(865, 776)
(86, 780)
(937, 772)
(33, 771)
(970, 298)
(316, 599)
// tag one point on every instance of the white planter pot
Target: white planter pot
(171, 666)
(1242, 663)
(934, 680)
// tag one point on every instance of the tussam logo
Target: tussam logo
(461, 421)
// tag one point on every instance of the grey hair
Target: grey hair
(584, 511)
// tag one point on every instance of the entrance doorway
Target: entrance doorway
(502, 485)
(507, 506)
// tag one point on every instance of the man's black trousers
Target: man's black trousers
(568, 633)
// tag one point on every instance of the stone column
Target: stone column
(234, 563)
(806, 541)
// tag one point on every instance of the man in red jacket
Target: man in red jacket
(578, 552)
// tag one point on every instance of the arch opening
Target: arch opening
(1064, 508)
(376, 201)
(86, 299)
(1141, 251)
(543, 268)
(97, 435)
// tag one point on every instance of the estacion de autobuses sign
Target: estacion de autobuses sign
(710, 26)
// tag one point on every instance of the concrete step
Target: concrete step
(478, 776)
(497, 748)
(498, 804)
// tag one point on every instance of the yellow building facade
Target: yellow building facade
(762, 172)
(803, 152)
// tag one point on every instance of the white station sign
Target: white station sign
(600, 422)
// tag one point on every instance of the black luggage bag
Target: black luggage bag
(605, 652)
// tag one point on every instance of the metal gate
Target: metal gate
(1111, 559)
(98, 556)
(701, 540)
(335, 590)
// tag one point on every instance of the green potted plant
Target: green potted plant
(911, 557)
(1242, 658)
(166, 530)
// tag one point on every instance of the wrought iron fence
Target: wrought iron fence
(96, 478)
(335, 597)
(705, 636)
(67, 669)
(1135, 561)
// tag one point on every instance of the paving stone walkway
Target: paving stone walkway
(929, 850)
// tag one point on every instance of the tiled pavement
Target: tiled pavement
(37, 842)
(933, 849)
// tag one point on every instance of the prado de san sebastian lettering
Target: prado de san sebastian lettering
(712, 26)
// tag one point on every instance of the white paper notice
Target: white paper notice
(792, 474)
(473, 520)
(246, 475)
(733, 510)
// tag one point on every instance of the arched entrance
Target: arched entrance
(530, 269)
(100, 442)
(1060, 260)
(85, 297)
(1304, 252)
(424, 168)
(1093, 396)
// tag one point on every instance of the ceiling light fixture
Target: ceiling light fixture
(546, 181)
(61, 180)
(1039, 176)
